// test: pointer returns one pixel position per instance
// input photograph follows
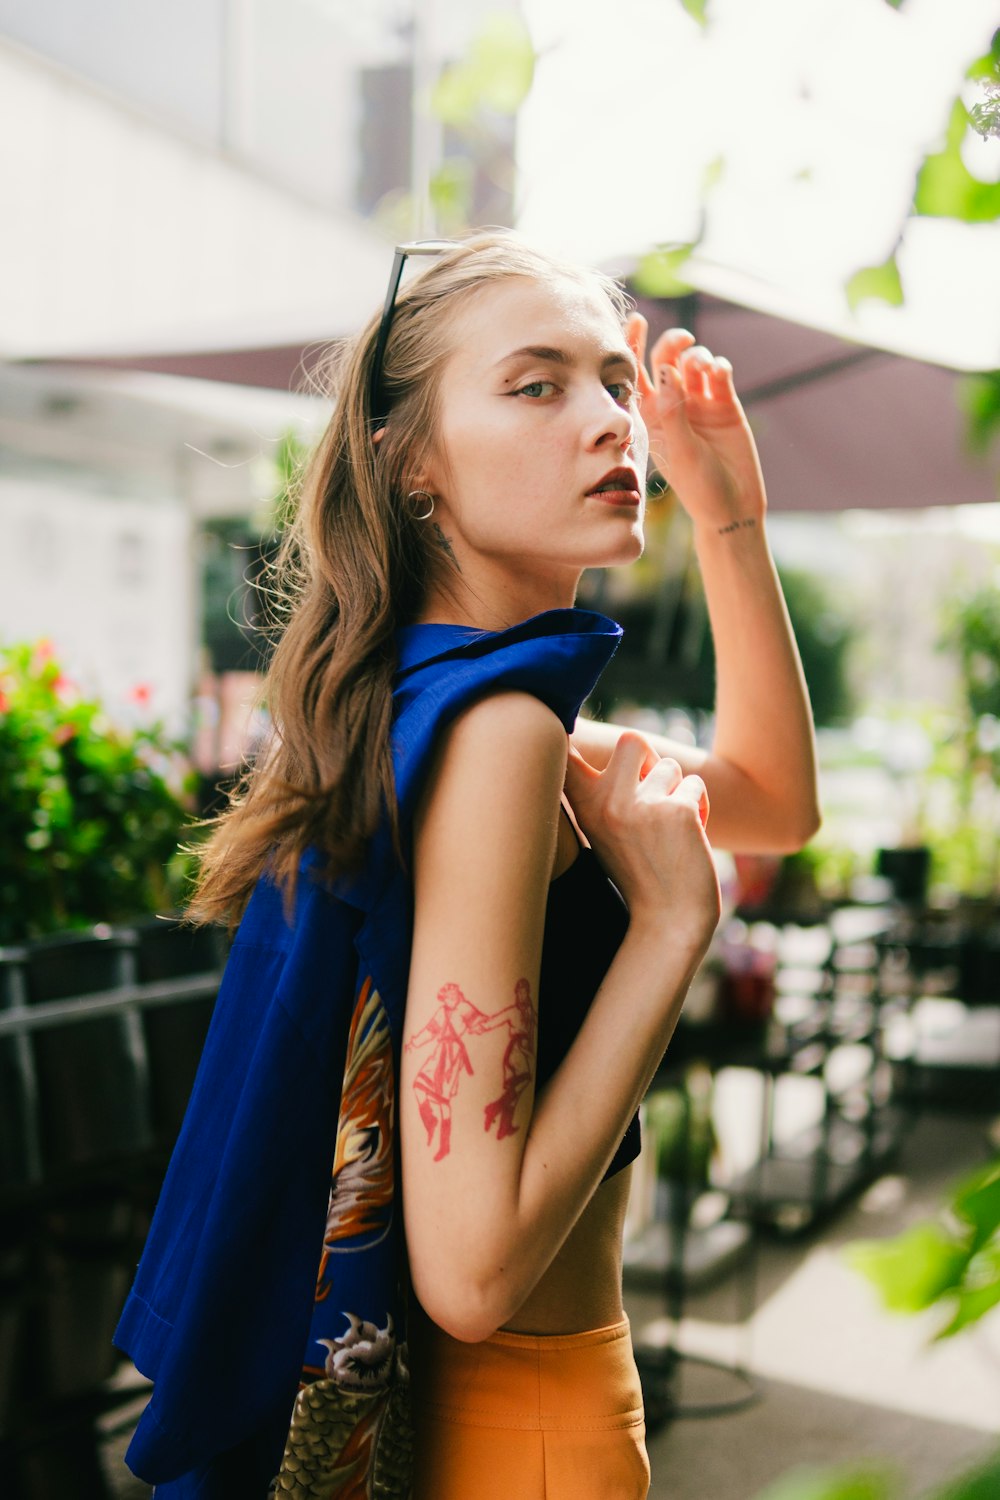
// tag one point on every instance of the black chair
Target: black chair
(92, 1074)
(82, 1110)
(20, 1168)
(175, 1031)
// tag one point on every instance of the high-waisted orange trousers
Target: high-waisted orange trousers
(554, 1416)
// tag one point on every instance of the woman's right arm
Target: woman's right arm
(495, 1178)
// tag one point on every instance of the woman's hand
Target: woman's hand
(646, 820)
(699, 436)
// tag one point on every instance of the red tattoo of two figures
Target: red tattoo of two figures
(437, 1082)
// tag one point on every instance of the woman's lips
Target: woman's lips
(618, 487)
(617, 497)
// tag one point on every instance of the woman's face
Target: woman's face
(540, 460)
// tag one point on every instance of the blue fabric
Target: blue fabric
(220, 1314)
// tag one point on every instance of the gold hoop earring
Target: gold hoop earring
(424, 515)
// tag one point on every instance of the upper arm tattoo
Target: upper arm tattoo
(436, 1084)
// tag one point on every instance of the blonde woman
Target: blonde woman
(468, 917)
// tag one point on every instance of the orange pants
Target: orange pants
(556, 1416)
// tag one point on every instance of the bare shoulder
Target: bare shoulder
(506, 720)
(508, 745)
(492, 794)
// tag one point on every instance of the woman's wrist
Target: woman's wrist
(676, 943)
(740, 531)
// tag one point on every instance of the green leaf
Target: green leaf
(972, 1305)
(451, 193)
(503, 59)
(987, 66)
(977, 1201)
(658, 272)
(946, 189)
(979, 396)
(895, 4)
(496, 75)
(881, 283)
(697, 10)
(913, 1270)
(982, 1483)
(455, 99)
(831, 1484)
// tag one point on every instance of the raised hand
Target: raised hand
(646, 820)
(699, 436)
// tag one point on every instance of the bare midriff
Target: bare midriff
(582, 1288)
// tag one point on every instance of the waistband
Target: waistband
(550, 1343)
(575, 1381)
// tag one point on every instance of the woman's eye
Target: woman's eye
(537, 388)
(621, 391)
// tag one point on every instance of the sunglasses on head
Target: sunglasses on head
(377, 402)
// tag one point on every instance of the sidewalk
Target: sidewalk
(840, 1381)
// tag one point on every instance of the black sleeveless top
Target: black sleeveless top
(585, 922)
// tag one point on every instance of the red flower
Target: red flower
(4, 702)
(140, 693)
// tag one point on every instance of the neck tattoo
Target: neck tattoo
(445, 544)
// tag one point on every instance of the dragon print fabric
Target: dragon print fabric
(350, 1436)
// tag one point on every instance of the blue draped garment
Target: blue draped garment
(299, 1072)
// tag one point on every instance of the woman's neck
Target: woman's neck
(495, 604)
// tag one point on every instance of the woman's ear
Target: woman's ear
(378, 436)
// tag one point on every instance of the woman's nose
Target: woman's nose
(610, 423)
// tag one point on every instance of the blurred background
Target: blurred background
(198, 199)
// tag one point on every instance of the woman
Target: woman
(508, 1002)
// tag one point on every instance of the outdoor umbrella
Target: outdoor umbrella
(839, 424)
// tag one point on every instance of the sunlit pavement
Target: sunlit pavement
(839, 1379)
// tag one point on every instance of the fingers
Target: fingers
(631, 760)
(693, 791)
(633, 757)
(665, 776)
(684, 369)
(720, 380)
(578, 770)
(693, 366)
(634, 760)
(636, 329)
(670, 346)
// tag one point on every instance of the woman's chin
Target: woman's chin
(627, 549)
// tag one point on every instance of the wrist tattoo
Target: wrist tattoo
(737, 525)
(445, 544)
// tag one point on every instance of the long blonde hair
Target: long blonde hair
(353, 565)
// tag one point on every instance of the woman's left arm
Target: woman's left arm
(761, 769)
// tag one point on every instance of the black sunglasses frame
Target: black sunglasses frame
(378, 414)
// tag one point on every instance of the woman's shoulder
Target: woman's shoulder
(500, 763)
(504, 721)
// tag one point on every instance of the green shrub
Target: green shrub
(90, 812)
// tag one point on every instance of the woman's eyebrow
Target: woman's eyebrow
(537, 351)
(550, 355)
